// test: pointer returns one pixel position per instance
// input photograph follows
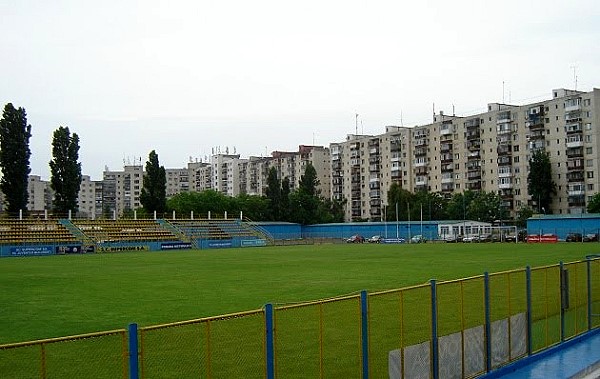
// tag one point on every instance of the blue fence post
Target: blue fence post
(563, 288)
(488, 329)
(364, 313)
(270, 341)
(434, 332)
(133, 352)
(529, 318)
(589, 292)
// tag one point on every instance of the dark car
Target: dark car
(590, 238)
(357, 238)
(574, 237)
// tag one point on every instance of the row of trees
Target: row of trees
(65, 169)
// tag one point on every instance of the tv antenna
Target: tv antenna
(575, 76)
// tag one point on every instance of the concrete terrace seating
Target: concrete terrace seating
(213, 229)
(124, 230)
(33, 231)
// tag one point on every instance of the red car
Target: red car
(357, 238)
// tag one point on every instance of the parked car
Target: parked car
(590, 238)
(375, 239)
(357, 238)
(393, 240)
(574, 237)
(485, 238)
(418, 239)
(452, 238)
(471, 239)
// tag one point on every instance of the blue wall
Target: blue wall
(562, 225)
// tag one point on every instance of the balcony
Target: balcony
(503, 118)
(575, 176)
(374, 179)
(447, 187)
(355, 162)
(449, 179)
(573, 105)
(576, 192)
(474, 175)
(505, 185)
(445, 158)
(576, 201)
(445, 147)
(504, 129)
(420, 164)
(473, 135)
(375, 203)
(419, 152)
(395, 158)
(421, 142)
(575, 153)
(574, 142)
(421, 181)
(474, 186)
(374, 168)
(472, 123)
(375, 194)
(374, 151)
(505, 174)
(473, 155)
(572, 117)
(446, 129)
(504, 150)
(574, 127)
(537, 134)
(575, 164)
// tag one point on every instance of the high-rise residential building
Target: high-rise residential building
(121, 189)
(40, 194)
(489, 151)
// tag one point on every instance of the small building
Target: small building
(563, 225)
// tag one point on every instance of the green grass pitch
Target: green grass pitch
(44, 297)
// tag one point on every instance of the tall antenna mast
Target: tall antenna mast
(503, 92)
(356, 123)
(575, 76)
(401, 122)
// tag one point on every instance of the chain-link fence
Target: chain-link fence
(230, 346)
(96, 355)
(450, 329)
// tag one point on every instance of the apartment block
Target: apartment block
(489, 151)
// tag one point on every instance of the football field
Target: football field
(44, 297)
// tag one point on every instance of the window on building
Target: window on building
(590, 174)
(588, 150)
(590, 187)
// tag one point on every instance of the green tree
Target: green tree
(305, 201)
(400, 197)
(486, 207)
(154, 192)
(540, 185)
(273, 193)
(594, 204)
(433, 205)
(65, 170)
(14, 157)
(522, 215)
(458, 205)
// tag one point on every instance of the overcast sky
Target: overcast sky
(183, 77)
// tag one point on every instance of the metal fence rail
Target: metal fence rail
(459, 328)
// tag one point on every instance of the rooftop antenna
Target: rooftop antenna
(503, 92)
(356, 123)
(362, 129)
(575, 76)
(401, 122)
(433, 112)
(453, 113)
